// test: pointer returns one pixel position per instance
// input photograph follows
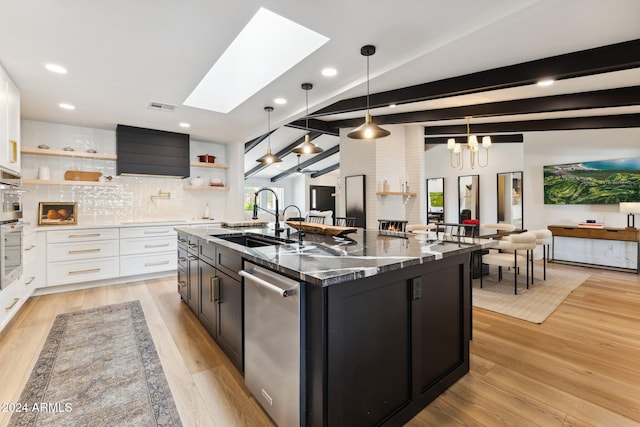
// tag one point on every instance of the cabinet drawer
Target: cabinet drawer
(59, 273)
(155, 231)
(182, 240)
(141, 264)
(207, 252)
(229, 261)
(81, 250)
(148, 245)
(82, 235)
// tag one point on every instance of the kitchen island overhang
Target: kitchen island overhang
(386, 322)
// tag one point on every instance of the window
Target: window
(266, 199)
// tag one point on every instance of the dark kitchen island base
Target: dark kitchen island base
(381, 348)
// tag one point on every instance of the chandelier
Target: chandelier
(456, 150)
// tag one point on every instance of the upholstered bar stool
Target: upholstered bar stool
(512, 248)
(544, 238)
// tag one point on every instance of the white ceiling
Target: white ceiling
(121, 55)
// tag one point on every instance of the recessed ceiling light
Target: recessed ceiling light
(56, 68)
(184, 125)
(545, 82)
(329, 72)
(66, 106)
(280, 101)
(267, 47)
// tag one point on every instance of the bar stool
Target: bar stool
(508, 256)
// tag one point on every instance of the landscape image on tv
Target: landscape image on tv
(597, 182)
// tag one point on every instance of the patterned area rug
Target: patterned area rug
(534, 304)
(98, 367)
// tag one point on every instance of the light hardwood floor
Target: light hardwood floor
(581, 367)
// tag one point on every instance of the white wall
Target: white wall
(502, 158)
(130, 199)
(556, 147)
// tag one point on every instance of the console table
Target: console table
(605, 233)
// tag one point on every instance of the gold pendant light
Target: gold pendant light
(268, 158)
(368, 130)
(307, 147)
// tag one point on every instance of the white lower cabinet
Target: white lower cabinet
(82, 255)
(147, 250)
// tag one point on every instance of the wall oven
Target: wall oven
(11, 229)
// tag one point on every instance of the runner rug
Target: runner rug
(98, 367)
(534, 304)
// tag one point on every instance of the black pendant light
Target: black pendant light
(368, 130)
(307, 147)
(268, 158)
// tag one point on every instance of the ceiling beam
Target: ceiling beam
(326, 128)
(282, 153)
(316, 158)
(251, 144)
(502, 138)
(325, 170)
(615, 57)
(619, 97)
(572, 123)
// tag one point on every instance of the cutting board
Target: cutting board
(329, 230)
(82, 176)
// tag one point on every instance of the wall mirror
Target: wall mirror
(510, 198)
(468, 197)
(435, 200)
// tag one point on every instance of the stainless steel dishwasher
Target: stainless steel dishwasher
(272, 342)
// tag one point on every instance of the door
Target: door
(322, 198)
(229, 328)
(208, 297)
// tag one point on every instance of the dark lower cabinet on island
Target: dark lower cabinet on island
(214, 296)
(388, 345)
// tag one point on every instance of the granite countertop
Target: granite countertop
(324, 260)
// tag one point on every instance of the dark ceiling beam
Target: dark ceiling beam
(316, 158)
(573, 123)
(615, 57)
(325, 170)
(251, 144)
(282, 153)
(619, 97)
(502, 138)
(326, 128)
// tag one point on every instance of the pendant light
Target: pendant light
(268, 158)
(307, 147)
(368, 130)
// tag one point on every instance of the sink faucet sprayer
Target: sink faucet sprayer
(256, 207)
(300, 232)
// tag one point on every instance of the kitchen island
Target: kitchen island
(384, 317)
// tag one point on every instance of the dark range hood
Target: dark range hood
(151, 152)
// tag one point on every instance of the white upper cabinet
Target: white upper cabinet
(9, 123)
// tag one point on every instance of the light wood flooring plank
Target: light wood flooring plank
(581, 367)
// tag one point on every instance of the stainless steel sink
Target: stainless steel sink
(251, 240)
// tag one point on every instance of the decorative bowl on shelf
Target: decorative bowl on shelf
(43, 147)
(68, 149)
(91, 150)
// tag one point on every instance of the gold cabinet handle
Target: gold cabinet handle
(214, 289)
(14, 151)
(182, 284)
(15, 301)
(29, 248)
(79, 251)
(30, 281)
(159, 245)
(150, 264)
(89, 270)
(156, 232)
(75, 236)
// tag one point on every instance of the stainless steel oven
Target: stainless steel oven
(10, 228)
(10, 252)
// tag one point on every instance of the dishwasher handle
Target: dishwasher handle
(283, 292)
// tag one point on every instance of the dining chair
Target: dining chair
(544, 237)
(510, 255)
(346, 221)
(317, 219)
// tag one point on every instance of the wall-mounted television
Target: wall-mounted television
(594, 182)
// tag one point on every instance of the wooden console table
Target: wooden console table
(605, 233)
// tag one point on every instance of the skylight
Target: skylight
(267, 47)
